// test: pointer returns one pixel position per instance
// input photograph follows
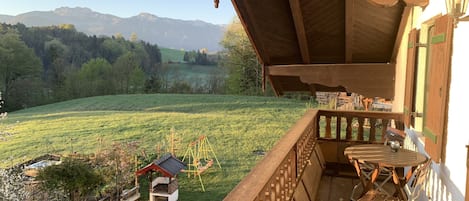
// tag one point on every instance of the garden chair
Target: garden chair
(393, 134)
(365, 171)
(413, 187)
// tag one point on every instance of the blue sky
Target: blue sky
(179, 9)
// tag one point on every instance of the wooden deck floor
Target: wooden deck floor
(337, 184)
(334, 188)
(339, 188)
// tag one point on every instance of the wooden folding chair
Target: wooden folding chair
(368, 173)
(416, 183)
(412, 188)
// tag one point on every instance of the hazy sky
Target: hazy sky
(179, 9)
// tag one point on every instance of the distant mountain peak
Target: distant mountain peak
(147, 16)
(74, 11)
(166, 32)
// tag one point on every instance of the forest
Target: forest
(41, 65)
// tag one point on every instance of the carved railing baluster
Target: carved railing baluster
(348, 131)
(384, 124)
(328, 127)
(372, 137)
(361, 121)
(338, 127)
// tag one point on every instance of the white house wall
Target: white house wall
(448, 179)
(458, 132)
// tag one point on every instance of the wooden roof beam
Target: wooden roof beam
(349, 31)
(421, 3)
(367, 79)
(295, 7)
(391, 3)
(400, 32)
(384, 3)
(245, 12)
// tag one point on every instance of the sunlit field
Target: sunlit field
(235, 125)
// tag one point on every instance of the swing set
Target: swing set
(199, 156)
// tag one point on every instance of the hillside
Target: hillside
(235, 125)
(166, 32)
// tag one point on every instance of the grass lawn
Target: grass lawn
(235, 126)
(171, 55)
(190, 71)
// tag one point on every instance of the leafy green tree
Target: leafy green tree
(72, 86)
(154, 56)
(180, 86)
(55, 62)
(186, 57)
(117, 166)
(111, 49)
(153, 84)
(133, 37)
(18, 63)
(122, 69)
(190, 56)
(216, 82)
(75, 177)
(96, 78)
(67, 26)
(137, 81)
(201, 58)
(244, 70)
(141, 57)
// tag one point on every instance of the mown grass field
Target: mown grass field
(191, 72)
(177, 69)
(235, 126)
(172, 55)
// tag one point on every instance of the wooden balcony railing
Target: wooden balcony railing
(276, 176)
(280, 172)
(356, 126)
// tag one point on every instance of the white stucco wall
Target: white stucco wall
(399, 78)
(448, 179)
(458, 132)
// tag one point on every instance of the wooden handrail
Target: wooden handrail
(275, 177)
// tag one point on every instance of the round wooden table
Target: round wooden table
(378, 153)
(384, 157)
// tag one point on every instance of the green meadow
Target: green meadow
(172, 55)
(235, 126)
(191, 72)
(176, 67)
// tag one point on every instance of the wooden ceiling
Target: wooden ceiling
(302, 43)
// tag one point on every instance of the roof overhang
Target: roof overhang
(167, 165)
(302, 43)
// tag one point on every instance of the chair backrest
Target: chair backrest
(393, 134)
(417, 183)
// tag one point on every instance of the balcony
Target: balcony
(308, 162)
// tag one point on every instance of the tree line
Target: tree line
(40, 65)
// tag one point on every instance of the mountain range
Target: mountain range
(165, 32)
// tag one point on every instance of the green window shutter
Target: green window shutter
(440, 38)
